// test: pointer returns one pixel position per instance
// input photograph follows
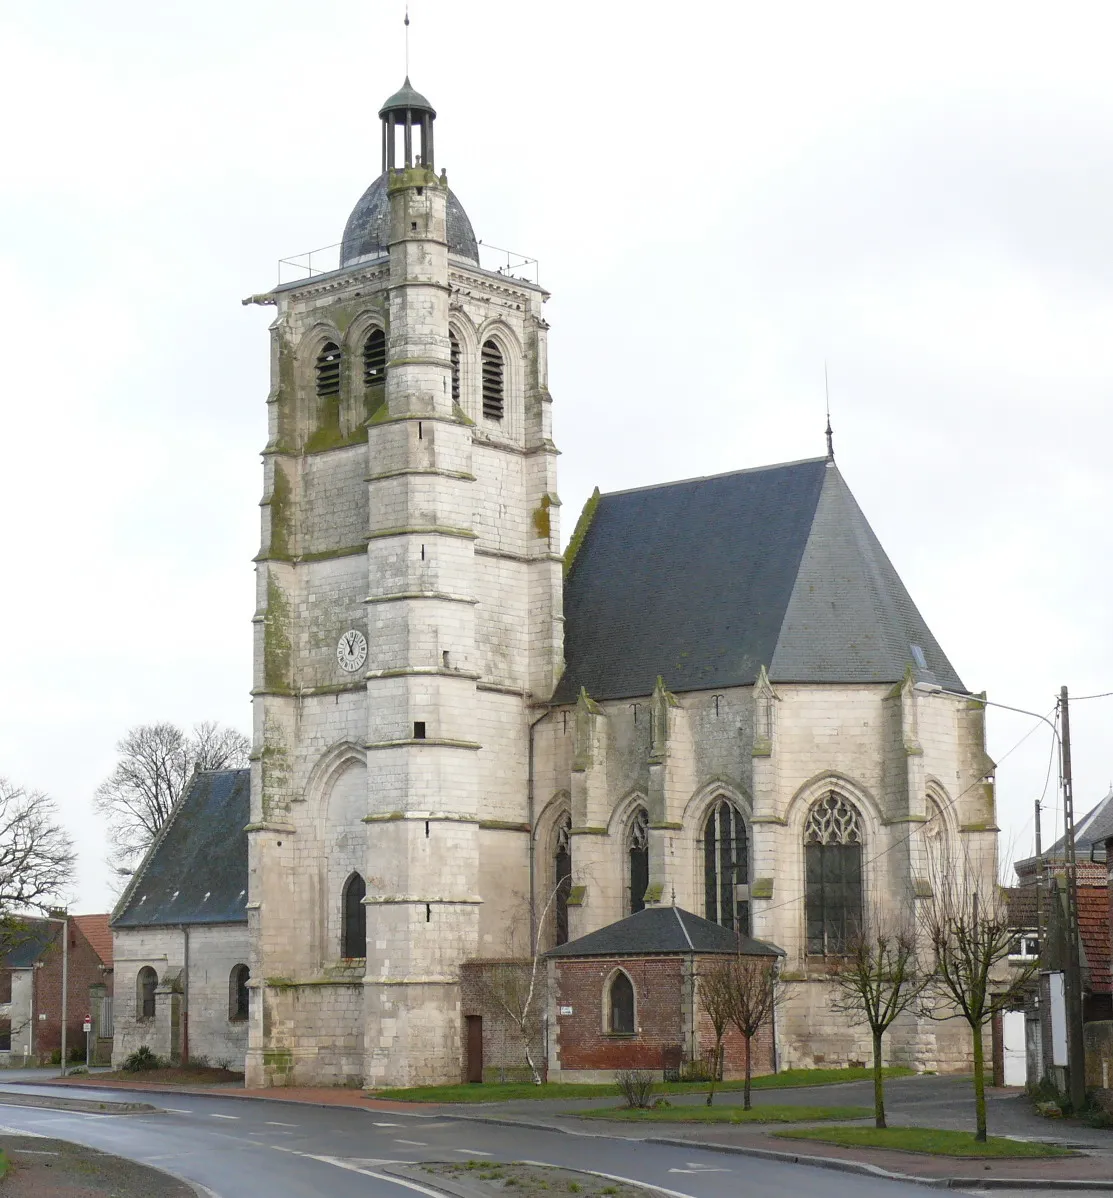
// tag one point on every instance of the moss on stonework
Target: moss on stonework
(542, 524)
(375, 401)
(761, 888)
(582, 526)
(576, 896)
(331, 437)
(281, 507)
(461, 415)
(277, 654)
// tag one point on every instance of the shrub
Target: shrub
(635, 1085)
(141, 1059)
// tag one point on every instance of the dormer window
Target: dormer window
(328, 369)
(454, 352)
(494, 381)
(374, 358)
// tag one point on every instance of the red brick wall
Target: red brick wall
(84, 971)
(662, 1011)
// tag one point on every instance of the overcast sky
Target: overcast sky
(721, 197)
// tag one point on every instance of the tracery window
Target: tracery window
(454, 353)
(494, 380)
(637, 847)
(237, 992)
(620, 1006)
(832, 875)
(353, 941)
(726, 870)
(562, 873)
(145, 985)
(328, 369)
(374, 358)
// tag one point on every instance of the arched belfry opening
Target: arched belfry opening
(407, 129)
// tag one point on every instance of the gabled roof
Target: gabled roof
(1090, 835)
(196, 870)
(29, 939)
(661, 931)
(704, 581)
(95, 929)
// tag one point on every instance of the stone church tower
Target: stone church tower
(409, 609)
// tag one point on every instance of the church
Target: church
(720, 697)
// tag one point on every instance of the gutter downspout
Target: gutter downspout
(532, 837)
(185, 995)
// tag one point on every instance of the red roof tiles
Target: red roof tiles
(95, 929)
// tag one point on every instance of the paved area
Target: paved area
(46, 1168)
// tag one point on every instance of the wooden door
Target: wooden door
(475, 1048)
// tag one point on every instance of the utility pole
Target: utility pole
(1040, 938)
(1076, 1052)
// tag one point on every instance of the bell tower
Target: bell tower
(409, 616)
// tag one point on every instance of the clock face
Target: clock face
(351, 650)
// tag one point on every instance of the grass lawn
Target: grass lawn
(733, 1114)
(506, 1091)
(931, 1140)
(3, 1164)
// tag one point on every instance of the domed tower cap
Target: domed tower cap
(405, 97)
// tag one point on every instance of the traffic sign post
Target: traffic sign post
(88, 1027)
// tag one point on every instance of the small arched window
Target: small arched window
(374, 358)
(454, 353)
(562, 872)
(832, 875)
(328, 369)
(620, 1006)
(354, 936)
(637, 847)
(145, 985)
(494, 381)
(237, 992)
(726, 868)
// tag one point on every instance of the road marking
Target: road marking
(176, 1110)
(374, 1123)
(472, 1152)
(275, 1123)
(35, 1152)
(18, 1131)
(352, 1167)
(415, 1143)
(700, 1169)
(630, 1181)
(214, 1115)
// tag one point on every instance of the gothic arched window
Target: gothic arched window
(832, 875)
(374, 358)
(562, 873)
(328, 369)
(637, 848)
(237, 992)
(454, 354)
(620, 1005)
(353, 941)
(145, 985)
(726, 868)
(494, 380)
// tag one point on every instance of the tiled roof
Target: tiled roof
(1093, 924)
(1021, 902)
(95, 929)
(704, 581)
(661, 931)
(196, 870)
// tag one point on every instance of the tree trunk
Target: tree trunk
(534, 1072)
(714, 1071)
(746, 1090)
(878, 1083)
(979, 1084)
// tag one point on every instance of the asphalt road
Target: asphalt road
(244, 1148)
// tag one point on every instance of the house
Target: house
(31, 972)
(98, 931)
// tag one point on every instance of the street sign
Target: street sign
(88, 1026)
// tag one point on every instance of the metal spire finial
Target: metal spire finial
(830, 431)
(406, 22)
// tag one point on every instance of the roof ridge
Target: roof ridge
(703, 478)
(683, 927)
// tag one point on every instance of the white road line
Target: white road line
(415, 1143)
(275, 1123)
(374, 1123)
(176, 1110)
(18, 1131)
(352, 1167)
(631, 1181)
(472, 1152)
(214, 1115)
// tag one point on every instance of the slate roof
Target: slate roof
(30, 938)
(706, 580)
(196, 871)
(368, 227)
(660, 931)
(96, 929)
(1090, 834)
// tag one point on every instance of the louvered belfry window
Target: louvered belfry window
(454, 350)
(832, 875)
(374, 358)
(328, 369)
(494, 381)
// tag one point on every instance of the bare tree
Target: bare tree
(970, 938)
(37, 856)
(755, 995)
(877, 980)
(156, 761)
(716, 997)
